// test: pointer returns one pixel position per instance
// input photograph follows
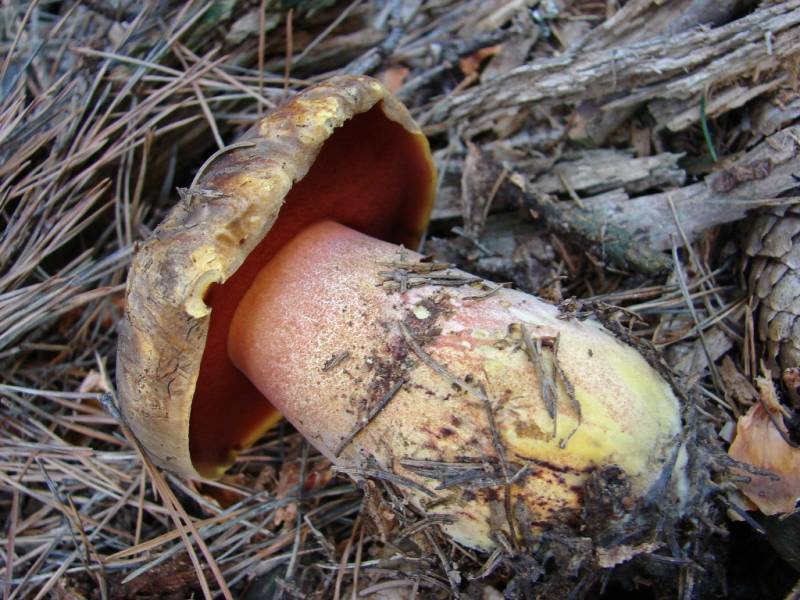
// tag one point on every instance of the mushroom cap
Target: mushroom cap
(344, 150)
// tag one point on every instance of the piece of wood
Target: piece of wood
(608, 242)
(595, 171)
(640, 19)
(673, 67)
(771, 115)
(631, 233)
(677, 115)
(587, 172)
(636, 21)
(756, 179)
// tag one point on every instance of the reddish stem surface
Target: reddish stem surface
(321, 284)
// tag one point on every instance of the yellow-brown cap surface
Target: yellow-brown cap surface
(344, 150)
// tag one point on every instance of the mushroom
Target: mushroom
(279, 286)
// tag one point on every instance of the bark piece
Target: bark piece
(755, 180)
(771, 116)
(585, 226)
(640, 19)
(588, 173)
(672, 66)
(677, 115)
(479, 185)
(512, 55)
(589, 228)
(637, 21)
(595, 171)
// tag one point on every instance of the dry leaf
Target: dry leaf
(759, 443)
(470, 65)
(394, 78)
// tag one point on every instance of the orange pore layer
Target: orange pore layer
(371, 175)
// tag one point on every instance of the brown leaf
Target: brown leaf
(470, 65)
(759, 443)
(173, 579)
(394, 78)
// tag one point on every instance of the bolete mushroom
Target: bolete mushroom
(278, 283)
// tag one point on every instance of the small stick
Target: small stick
(445, 565)
(439, 368)
(262, 42)
(570, 190)
(416, 267)
(403, 279)
(398, 480)
(434, 275)
(570, 389)
(488, 294)
(343, 561)
(335, 360)
(215, 156)
(359, 426)
(493, 192)
(546, 384)
(424, 523)
(489, 566)
(298, 526)
(287, 66)
(473, 471)
(500, 449)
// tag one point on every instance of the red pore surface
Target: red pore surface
(371, 175)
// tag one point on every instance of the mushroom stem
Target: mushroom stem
(442, 382)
